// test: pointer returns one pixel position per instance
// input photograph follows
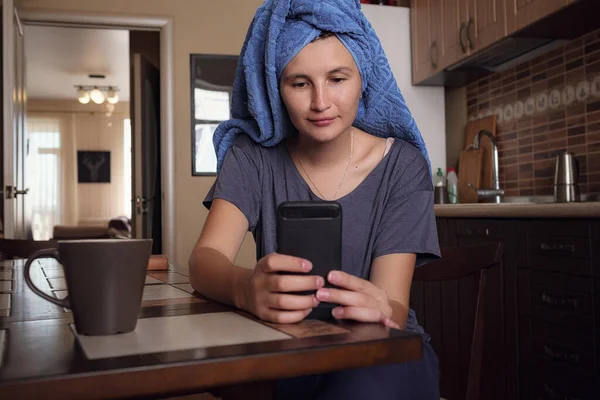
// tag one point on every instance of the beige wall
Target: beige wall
(199, 26)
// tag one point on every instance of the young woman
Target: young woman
(318, 116)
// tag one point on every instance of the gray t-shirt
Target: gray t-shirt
(391, 211)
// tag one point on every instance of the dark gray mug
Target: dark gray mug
(105, 281)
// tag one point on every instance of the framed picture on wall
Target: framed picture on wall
(212, 79)
(93, 166)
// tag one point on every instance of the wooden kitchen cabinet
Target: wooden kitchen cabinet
(596, 251)
(520, 13)
(439, 35)
(558, 312)
(542, 332)
(446, 230)
(445, 32)
(425, 20)
(454, 43)
(597, 321)
(487, 22)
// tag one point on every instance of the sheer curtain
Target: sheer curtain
(51, 166)
(127, 172)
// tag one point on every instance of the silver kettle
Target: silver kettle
(566, 178)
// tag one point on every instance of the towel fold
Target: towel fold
(279, 30)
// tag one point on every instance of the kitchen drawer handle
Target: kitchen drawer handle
(569, 248)
(478, 232)
(556, 301)
(559, 355)
(462, 38)
(554, 395)
(433, 50)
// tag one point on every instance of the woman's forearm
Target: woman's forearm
(399, 313)
(214, 276)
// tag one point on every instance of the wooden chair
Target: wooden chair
(19, 248)
(455, 264)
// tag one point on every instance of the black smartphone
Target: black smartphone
(312, 230)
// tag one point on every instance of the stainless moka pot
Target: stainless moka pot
(566, 178)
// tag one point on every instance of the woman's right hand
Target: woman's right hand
(268, 293)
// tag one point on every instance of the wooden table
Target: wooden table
(41, 358)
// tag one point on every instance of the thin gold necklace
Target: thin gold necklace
(343, 177)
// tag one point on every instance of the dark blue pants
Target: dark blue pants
(417, 380)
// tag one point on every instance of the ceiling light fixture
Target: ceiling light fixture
(83, 96)
(112, 96)
(97, 94)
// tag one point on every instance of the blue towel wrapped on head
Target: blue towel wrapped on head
(279, 30)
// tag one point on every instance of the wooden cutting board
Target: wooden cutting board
(488, 123)
(469, 171)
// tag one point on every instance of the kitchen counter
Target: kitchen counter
(520, 210)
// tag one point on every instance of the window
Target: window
(212, 107)
(127, 155)
(212, 84)
(44, 175)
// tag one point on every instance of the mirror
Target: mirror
(212, 78)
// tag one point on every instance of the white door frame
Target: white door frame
(136, 139)
(8, 83)
(165, 24)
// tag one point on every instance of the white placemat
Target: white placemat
(182, 332)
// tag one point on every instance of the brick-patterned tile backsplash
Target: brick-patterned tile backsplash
(543, 106)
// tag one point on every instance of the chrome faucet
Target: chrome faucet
(496, 192)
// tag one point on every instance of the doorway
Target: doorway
(90, 20)
(75, 126)
(93, 131)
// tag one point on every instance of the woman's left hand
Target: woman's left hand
(359, 299)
